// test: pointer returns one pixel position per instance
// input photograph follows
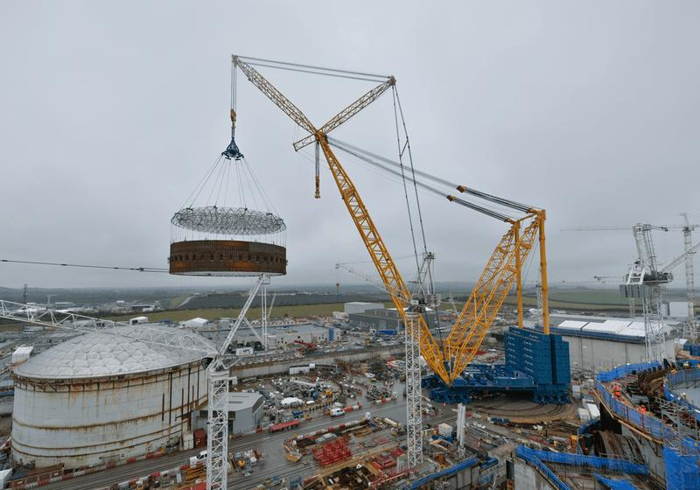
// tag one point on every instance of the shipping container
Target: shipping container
(200, 438)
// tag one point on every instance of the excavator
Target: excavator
(446, 357)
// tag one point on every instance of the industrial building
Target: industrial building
(277, 335)
(383, 319)
(361, 306)
(286, 336)
(245, 412)
(597, 344)
(101, 397)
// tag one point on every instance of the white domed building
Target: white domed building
(104, 397)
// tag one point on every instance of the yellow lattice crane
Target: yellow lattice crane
(446, 358)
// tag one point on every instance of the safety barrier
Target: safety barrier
(467, 463)
(626, 370)
(615, 484)
(682, 469)
(40, 480)
(537, 459)
(671, 382)
(529, 456)
(681, 462)
(642, 421)
(611, 464)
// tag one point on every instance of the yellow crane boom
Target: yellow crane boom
(386, 267)
(495, 283)
(503, 269)
(394, 283)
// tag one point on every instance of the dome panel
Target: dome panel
(104, 354)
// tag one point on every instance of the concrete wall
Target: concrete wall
(462, 480)
(88, 422)
(528, 478)
(651, 452)
(595, 355)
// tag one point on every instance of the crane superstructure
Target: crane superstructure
(446, 358)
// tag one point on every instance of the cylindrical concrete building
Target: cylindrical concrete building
(102, 397)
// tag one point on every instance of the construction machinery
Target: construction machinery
(306, 346)
(448, 357)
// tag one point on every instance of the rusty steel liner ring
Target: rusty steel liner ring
(227, 258)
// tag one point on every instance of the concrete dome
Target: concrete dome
(104, 354)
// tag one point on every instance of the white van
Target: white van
(337, 412)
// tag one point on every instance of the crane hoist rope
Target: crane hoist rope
(447, 359)
(405, 187)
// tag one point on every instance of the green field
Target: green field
(296, 311)
(578, 299)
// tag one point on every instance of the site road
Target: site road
(270, 444)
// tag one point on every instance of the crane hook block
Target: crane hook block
(232, 151)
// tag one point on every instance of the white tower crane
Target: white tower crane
(646, 280)
(641, 242)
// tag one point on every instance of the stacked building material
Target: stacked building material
(333, 452)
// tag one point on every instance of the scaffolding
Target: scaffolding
(681, 446)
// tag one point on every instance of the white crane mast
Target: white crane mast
(423, 295)
(689, 272)
(414, 413)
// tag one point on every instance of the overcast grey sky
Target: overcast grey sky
(110, 113)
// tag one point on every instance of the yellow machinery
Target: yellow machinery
(446, 358)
